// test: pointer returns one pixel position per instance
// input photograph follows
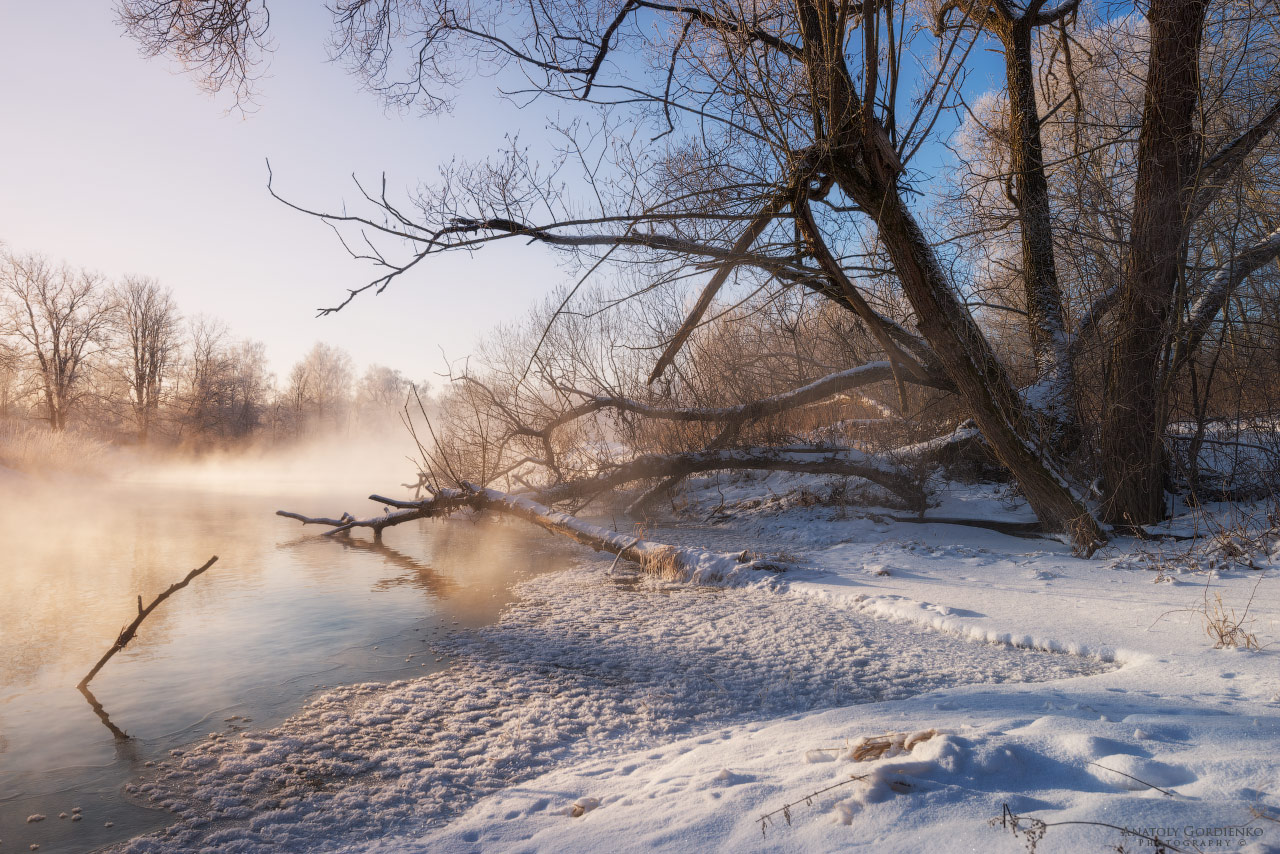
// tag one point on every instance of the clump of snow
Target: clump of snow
(1138, 774)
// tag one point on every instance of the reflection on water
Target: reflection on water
(282, 613)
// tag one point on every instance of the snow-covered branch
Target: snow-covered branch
(668, 562)
(1219, 288)
(1218, 170)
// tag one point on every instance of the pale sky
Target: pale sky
(121, 164)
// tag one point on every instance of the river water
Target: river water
(283, 614)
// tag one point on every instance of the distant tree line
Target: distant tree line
(118, 359)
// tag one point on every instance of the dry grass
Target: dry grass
(35, 449)
(1240, 541)
(666, 564)
(1223, 626)
(869, 749)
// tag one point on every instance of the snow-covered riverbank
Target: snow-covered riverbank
(630, 715)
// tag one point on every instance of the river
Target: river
(282, 614)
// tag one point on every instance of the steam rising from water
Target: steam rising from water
(282, 612)
(359, 464)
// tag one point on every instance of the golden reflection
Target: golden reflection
(417, 574)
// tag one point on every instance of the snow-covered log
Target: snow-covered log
(962, 453)
(666, 561)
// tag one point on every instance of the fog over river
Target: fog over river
(282, 613)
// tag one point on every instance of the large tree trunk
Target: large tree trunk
(969, 361)
(56, 407)
(1135, 409)
(1055, 382)
(864, 163)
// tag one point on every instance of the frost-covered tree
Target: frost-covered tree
(381, 393)
(319, 391)
(59, 318)
(146, 326)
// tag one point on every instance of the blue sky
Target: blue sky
(121, 164)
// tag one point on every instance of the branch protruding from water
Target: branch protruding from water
(127, 633)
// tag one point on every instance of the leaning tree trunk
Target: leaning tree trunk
(967, 358)
(862, 159)
(1135, 409)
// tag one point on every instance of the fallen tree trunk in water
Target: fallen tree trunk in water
(895, 471)
(672, 563)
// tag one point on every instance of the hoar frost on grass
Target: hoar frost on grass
(579, 667)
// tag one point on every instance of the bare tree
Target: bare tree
(60, 318)
(249, 388)
(319, 389)
(225, 385)
(203, 376)
(146, 323)
(1027, 189)
(232, 37)
(1203, 146)
(771, 147)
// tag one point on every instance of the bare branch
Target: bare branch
(668, 562)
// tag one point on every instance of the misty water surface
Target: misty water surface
(282, 613)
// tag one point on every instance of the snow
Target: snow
(898, 691)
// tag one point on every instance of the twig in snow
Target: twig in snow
(785, 810)
(1032, 830)
(1256, 812)
(1165, 792)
